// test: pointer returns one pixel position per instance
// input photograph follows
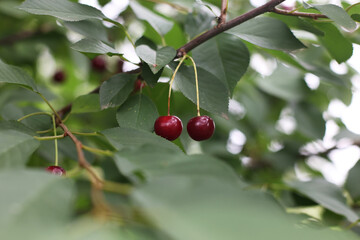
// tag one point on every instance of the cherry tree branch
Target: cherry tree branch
(299, 14)
(222, 17)
(267, 7)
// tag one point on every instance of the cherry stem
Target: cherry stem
(56, 141)
(172, 80)
(197, 85)
(97, 151)
(33, 114)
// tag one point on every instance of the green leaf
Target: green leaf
(149, 77)
(309, 120)
(212, 91)
(89, 45)
(337, 14)
(137, 112)
(160, 24)
(225, 56)
(291, 89)
(356, 17)
(352, 181)
(16, 145)
(65, 10)
(86, 103)
(15, 75)
(155, 59)
(90, 28)
(198, 22)
(208, 208)
(116, 89)
(35, 202)
(327, 195)
(267, 33)
(134, 138)
(339, 47)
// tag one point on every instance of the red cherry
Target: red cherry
(56, 170)
(139, 84)
(201, 128)
(168, 127)
(59, 76)
(98, 64)
(120, 66)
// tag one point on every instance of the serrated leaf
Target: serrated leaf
(337, 14)
(327, 195)
(339, 47)
(134, 138)
(64, 9)
(15, 75)
(155, 59)
(116, 90)
(212, 91)
(309, 120)
(16, 146)
(86, 104)
(160, 24)
(198, 21)
(149, 77)
(225, 56)
(267, 33)
(35, 202)
(89, 45)
(293, 89)
(90, 28)
(137, 112)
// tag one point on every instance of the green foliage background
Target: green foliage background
(153, 188)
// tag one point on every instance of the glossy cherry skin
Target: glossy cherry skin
(56, 170)
(200, 128)
(168, 127)
(139, 84)
(59, 76)
(98, 63)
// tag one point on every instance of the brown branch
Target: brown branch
(299, 14)
(222, 17)
(267, 7)
(81, 157)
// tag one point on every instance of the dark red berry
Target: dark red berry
(56, 170)
(120, 66)
(201, 128)
(168, 127)
(59, 76)
(139, 84)
(98, 64)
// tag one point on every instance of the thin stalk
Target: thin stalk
(197, 85)
(50, 106)
(172, 80)
(56, 142)
(86, 134)
(49, 137)
(121, 27)
(34, 114)
(350, 7)
(98, 151)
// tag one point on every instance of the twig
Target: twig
(222, 17)
(299, 14)
(267, 7)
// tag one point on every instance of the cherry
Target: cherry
(139, 84)
(98, 64)
(59, 76)
(168, 127)
(120, 66)
(56, 170)
(200, 128)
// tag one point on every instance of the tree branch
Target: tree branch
(267, 7)
(222, 17)
(299, 14)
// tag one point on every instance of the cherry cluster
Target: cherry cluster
(170, 127)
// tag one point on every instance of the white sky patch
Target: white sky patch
(312, 81)
(236, 141)
(236, 109)
(355, 59)
(263, 66)
(351, 115)
(338, 68)
(286, 122)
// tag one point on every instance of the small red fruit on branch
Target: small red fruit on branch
(200, 128)
(59, 76)
(56, 170)
(98, 64)
(169, 127)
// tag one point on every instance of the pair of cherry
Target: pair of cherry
(170, 127)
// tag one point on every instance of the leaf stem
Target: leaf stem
(55, 140)
(299, 14)
(98, 151)
(86, 134)
(350, 7)
(49, 137)
(34, 114)
(121, 27)
(196, 84)
(172, 80)
(224, 7)
(50, 106)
